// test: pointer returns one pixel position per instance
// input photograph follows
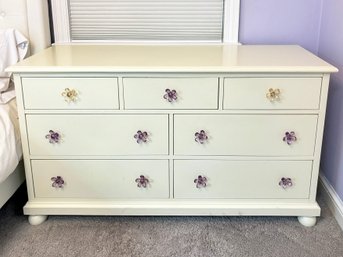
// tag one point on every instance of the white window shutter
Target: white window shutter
(146, 20)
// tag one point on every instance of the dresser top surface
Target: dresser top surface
(174, 58)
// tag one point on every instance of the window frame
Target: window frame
(61, 26)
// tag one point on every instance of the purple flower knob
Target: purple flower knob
(141, 137)
(285, 183)
(142, 181)
(53, 137)
(170, 95)
(58, 182)
(289, 137)
(200, 181)
(201, 137)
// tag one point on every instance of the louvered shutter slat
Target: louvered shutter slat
(175, 20)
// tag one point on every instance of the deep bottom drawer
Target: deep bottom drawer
(101, 179)
(242, 179)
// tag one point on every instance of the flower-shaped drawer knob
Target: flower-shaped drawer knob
(170, 95)
(142, 181)
(200, 182)
(57, 182)
(141, 137)
(289, 137)
(201, 137)
(285, 183)
(273, 94)
(70, 95)
(53, 137)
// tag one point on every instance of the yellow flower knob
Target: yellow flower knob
(273, 94)
(70, 95)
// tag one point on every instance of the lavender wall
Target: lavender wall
(280, 22)
(331, 49)
(317, 25)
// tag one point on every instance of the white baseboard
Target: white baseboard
(332, 199)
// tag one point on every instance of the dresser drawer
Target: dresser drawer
(242, 179)
(97, 134)
(190, 93)
(101, 178)
(286, 93)
(247, 135)
(56, 93)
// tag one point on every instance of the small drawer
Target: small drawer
(272, 93)
(70, 93)
(97, 134)
(133, 179)
(204, 179)
(245, 135)
(170, 93)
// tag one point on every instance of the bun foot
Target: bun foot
(37, 219)
(307, 221)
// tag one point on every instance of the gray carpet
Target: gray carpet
(166, 236)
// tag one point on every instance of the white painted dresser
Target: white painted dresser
(172, 130)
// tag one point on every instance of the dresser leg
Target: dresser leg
(307, 221)
(37, 219)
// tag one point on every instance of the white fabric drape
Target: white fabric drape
(13, 48)
(10, 143)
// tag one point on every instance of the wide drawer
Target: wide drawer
(242, 179)
(57, 93)
(190, 93)
(249, 135)
(101, 178)
(272, 93)
(97, 134)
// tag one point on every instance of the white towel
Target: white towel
(13, 48)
